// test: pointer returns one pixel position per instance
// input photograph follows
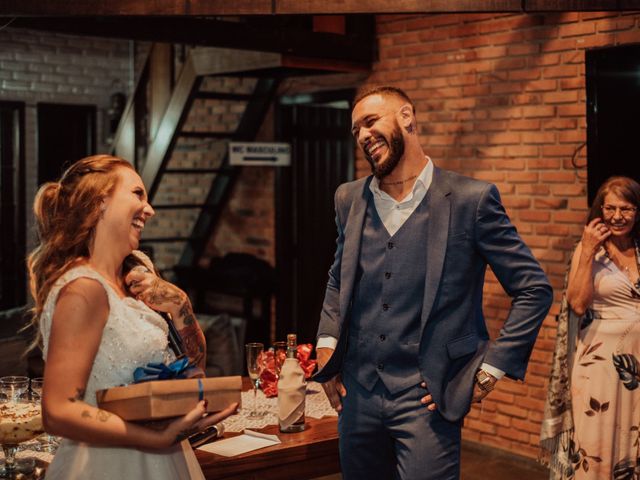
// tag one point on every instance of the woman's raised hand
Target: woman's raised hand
(594, 235)
(158, 294)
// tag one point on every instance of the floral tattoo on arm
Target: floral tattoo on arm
(195, 345)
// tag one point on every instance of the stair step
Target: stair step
(206, 134)
(244, 97)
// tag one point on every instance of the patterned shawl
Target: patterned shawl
(556, 435)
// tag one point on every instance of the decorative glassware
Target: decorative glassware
(20, 420)
(254, 368)
(13, 387)
(47, 443)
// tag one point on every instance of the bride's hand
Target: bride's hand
(193, 422)
(158, 294)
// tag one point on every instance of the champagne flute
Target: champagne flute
(254, 368)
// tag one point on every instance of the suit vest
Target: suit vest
(385, 320)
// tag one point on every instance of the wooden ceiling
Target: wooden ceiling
(288, 7)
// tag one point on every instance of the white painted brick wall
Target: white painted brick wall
(39, 67)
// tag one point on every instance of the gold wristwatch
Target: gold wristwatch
(486, 381)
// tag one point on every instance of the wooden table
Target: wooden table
(305, 455)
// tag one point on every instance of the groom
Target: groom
(402, 343)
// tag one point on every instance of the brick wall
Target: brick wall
(46, 67)
(502, 98)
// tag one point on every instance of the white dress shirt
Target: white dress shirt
(393, 214)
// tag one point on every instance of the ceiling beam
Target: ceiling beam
(135, 7)
(279, 34)
(271, 7)
(397, 6)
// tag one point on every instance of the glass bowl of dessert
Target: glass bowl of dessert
(20, 421)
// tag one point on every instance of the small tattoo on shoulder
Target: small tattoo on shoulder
(86, 414)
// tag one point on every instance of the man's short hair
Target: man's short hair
(384, 90)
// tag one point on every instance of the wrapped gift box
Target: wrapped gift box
(169, 398)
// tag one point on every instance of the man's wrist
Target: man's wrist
(486, 382)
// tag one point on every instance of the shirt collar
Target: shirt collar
(423, 180)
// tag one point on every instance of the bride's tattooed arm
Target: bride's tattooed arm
(193, 340)
(163, 296)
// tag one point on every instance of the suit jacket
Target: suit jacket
(468, 229)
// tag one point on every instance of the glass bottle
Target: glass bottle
(292, 388)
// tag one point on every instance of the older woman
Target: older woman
(95, 331)
(593, 409)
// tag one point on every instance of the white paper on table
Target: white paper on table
(246, 442)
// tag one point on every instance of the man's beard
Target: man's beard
(396, 150)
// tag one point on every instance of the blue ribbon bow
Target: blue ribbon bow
(177, 369)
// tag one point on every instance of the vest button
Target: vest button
(385, 307)
(387, 275)
(380, 366)
(383, 338)
(390, 245)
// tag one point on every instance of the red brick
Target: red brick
(565, 96)
(503, 138)
(538, 111)
(522, 177)
(523, 49)
(521, 151)
(552, 203)
(558, 71)
(560, 123)
(596, 15)
(526, 124)
(573, 136)
(577, 29)
(558, 177)
(558, 45)
(604, 39)
(535, 216)
(491, 52)
(630, 36)
(537, 189)
(541, 85)
(612, 24)
(532, 74)
(403, 38)
(568, 217)
(544, 59)
(538, 137)
(571, 110)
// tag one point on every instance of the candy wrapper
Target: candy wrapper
(270, 361)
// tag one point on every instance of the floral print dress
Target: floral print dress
(605, 380)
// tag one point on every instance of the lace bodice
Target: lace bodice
(133, 335)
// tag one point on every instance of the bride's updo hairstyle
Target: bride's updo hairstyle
(67, 213)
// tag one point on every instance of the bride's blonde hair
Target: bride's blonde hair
(66, 214)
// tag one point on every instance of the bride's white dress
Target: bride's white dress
(133, 336)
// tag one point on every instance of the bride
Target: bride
(97, 323)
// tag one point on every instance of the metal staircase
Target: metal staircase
(158, 167)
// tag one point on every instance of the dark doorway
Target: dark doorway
(318, 128)
(12, 206)
(613, 123)
(66, 133)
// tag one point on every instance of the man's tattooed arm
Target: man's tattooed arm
(193, 340)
